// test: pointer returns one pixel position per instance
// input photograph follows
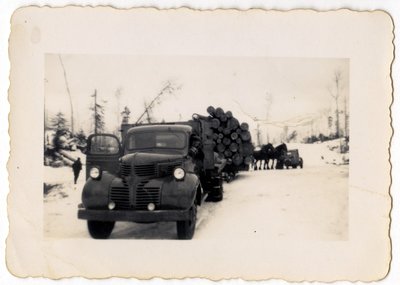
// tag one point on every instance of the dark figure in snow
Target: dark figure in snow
(77, 167)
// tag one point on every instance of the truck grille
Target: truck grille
(146, 195)
(120, 196)
(146, 170)
(126, 169)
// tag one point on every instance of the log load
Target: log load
(231, 138)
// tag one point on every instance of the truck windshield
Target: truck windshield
(157, 140)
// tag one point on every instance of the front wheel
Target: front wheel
(100, 229)
(186, 228)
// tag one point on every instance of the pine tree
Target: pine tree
(98, 115)
(81, 137)
(59, 122)
(60, 125)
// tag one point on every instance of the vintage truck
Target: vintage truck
(159, 172)
(292, 159)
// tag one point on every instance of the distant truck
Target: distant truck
(292, 159)
(159, 172)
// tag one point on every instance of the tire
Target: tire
(216, 194)
(186, 229)
(301, 163)
(100, 229)
(215, 190)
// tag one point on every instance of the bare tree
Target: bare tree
(335, 94)
(149, 115)
(69, 93)
(168, 88)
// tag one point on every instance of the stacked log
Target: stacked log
(231, 138)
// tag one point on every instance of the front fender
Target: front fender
(95, 192)
(179, 194)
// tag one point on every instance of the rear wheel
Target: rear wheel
(216, 190)
(301, 163)
(100, 229)
(216, 195)
(186, 228)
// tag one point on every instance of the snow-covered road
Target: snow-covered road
(309, 203)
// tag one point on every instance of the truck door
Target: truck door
(104, 151)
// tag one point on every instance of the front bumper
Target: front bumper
(134, 216)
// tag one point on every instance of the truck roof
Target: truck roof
(161, 127)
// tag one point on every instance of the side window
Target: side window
(102, 144)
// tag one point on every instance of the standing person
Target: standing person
(77, 167)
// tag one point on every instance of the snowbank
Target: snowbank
(317, 154)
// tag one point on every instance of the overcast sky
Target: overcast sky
(295, 86)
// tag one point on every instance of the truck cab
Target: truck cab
(158, 173)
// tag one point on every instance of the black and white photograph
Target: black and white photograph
(218, 144)
(264, 140)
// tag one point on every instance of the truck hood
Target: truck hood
(142, 158)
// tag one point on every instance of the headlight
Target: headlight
(94, 173)
(111, 205)
(179, 173)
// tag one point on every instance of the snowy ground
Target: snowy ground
(309, 203)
